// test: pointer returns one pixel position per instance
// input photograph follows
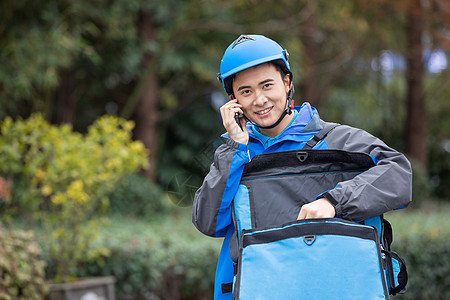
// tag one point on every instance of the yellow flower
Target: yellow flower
(58, 199)
(40, 174)
(46, 190)
(76, 192)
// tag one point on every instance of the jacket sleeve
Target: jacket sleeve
(211, 212)
(384, 187)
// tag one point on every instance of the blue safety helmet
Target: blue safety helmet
(248, 51)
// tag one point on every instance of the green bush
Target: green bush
(422, 238)
(428, 264)
(21, 267)
(158, 272)
(136, 196)
(439, 169)
(64, 179)
(162, 259)
(421, 185)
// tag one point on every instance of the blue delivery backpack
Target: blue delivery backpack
(281, 258)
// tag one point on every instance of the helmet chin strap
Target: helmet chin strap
(287, 111)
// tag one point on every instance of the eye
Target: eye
(245, 92)
(267, 85)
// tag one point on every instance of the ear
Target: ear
(287, 82)
(231, 97)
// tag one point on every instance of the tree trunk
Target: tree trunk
(416, 119)
(309, 88)
(65, 99)
(146, 111)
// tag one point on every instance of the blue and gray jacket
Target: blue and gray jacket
(382, 188)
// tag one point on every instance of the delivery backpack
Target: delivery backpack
(281, 258)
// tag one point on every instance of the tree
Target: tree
(309, 35)
(416, 120)
(66, 59)
(146, 112)
(176, 57)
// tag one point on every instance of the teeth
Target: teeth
(264, 111)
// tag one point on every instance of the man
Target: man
(256, 75)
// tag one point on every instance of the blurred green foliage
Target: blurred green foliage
(81, 56)
(189, 141)
(135, 196)
(162, 258)
(21, 266)
(66, 177)
(428, 263)
(421, 185)
(439, 135)
(47, 45)
(422, 238)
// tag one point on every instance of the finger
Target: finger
(228, 104)
(227, 110)
(236, 108)
(232, 103)
(302, 214)
(231, 108)
(229, 113)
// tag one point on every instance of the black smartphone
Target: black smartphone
(238, 121)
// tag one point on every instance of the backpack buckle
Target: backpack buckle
(309, 239)
(302, 156)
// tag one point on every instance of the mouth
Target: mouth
(264, 111)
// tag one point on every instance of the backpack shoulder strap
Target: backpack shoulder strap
(320, 135)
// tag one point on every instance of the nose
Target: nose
(260, 98)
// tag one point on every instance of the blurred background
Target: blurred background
(109, 122)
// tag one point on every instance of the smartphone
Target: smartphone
(236, 115)
(238, 120)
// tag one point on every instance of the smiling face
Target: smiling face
(262, 93)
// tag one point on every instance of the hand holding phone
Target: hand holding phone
(231, 113)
